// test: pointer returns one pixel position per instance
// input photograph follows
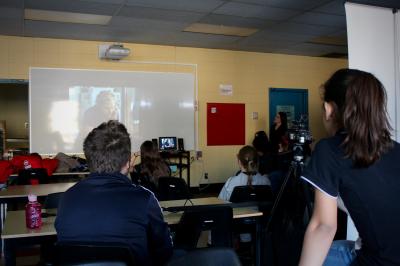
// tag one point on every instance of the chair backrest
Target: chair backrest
(52, 200)
(172, 188)
(92, 253)
(215, 218)
(257, 193)
(32, 176)
(209, 257)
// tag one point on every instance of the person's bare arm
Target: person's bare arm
(320, 231)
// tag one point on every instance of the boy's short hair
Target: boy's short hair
(107, 147)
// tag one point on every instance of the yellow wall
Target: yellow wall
(251, 74)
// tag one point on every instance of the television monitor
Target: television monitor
(167, 143)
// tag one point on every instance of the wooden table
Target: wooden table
(15, 230)
(13, 193)
(62, 174)
(15, 222)
(59, 177)
(195, 202)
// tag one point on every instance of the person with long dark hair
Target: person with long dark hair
(266, 160)
(360, 164)
(151, 167)
(278, 132)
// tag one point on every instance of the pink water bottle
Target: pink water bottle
(33, 212)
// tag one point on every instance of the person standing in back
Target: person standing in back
(107, 207)
(278, 133)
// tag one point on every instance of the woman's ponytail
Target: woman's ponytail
(249, 159)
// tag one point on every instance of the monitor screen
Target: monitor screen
(167, 143)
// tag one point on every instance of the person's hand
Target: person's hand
(134, 156)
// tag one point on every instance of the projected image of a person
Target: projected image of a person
(104, 109)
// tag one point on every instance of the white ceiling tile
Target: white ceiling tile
(149, 24)
(198, 6)
(323, 19)
(292, 4)
(306, 29)
(160, 14)
(73, 6)
(236, 21)
(335, 7)
(255, 11)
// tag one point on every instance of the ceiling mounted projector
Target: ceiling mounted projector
(113, 51)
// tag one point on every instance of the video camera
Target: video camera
(300, 138)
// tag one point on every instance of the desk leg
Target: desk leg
(188, 171)
(3, 213)
(9, 252)
(258, 240)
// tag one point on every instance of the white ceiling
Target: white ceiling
(284, 26)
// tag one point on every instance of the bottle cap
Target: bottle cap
(32, 197)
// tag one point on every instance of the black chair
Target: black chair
(262, 197)
(52, 200)
(209, 257)
(172, 188)
(31, 177)
(92, 253)
(196, 219)
(258, 193)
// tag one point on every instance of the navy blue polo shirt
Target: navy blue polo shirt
(371, 195)
(109, 208)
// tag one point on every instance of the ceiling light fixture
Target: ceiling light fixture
(68, 17)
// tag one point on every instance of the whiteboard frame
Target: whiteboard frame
(196, 109)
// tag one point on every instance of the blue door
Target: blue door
(292, 101)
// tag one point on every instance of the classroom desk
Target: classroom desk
(16, 232)
(15, 193)
(60, 177)
(196, 202)
(62, 174)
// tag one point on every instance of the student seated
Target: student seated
(151, 167)
(266, 158)
(107, 207)
(248, 175)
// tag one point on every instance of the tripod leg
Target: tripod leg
(279, 196)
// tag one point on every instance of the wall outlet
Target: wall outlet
(205, 175)
(199, 154)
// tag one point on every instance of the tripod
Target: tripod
(289, 216)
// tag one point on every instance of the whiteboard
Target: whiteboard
(66, 104)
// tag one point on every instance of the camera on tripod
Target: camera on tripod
(300, 138)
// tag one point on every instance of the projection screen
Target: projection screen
(65, 104)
